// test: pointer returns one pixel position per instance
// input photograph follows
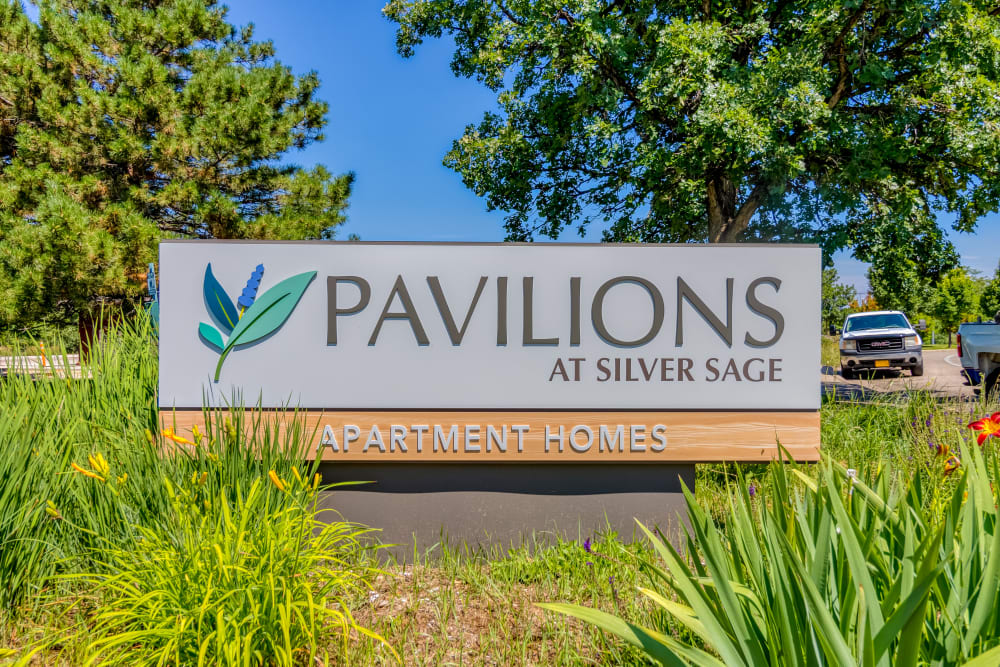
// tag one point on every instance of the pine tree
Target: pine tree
(122, 123)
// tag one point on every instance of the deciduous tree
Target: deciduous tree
(837, 299)
(854, 123)
(989, 301)
(956, 299)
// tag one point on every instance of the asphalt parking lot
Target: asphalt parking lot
(942, 376)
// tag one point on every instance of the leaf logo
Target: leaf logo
(256, 318)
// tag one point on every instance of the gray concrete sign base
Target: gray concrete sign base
(491, 506)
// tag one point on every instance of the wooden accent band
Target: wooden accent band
(469, 437)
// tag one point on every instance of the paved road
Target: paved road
(942, 376)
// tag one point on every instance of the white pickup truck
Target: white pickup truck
(979, 353)
(883, 339)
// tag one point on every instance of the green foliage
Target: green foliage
(897, 284)
(837, 298)
(123, 123)
(221, 532)
(259, 580)
(989, 300)
(48, 423)
(956, 300)
(854, 124)
(907, 259)
(842, 572)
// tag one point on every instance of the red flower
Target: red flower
(986, 427)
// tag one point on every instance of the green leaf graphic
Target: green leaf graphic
(212, 335)
(267, 313)
(219, 303)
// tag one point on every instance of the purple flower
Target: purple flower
(586, 546)
(929, 423)
(590, 564)
(752, 490)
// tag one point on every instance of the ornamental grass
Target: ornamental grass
(142, 545)
(830, 569)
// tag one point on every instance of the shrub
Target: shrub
(256, 580)
(207, 550)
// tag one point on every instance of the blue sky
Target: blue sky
(392, 120)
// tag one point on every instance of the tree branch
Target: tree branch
(510, 15)
(732, 230)
(837, 50)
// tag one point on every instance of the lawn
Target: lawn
(119, 544)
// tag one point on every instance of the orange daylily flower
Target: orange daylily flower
(986, 427)
(169, 434)
(951, 465)
(86, 473)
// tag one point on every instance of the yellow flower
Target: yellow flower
(51, 510)
(276, 480)
(99, 465)
(196, 433)
(169, 434)
(86, 473)
(298, 477)
(122, 478)
(149, 436)
(316, 480)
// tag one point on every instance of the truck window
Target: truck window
(883, 321)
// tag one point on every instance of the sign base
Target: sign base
(418, 507)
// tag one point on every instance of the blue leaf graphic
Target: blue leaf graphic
(250, 291)
(211, 335)
(218, 302)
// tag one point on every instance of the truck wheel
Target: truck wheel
(847, 373)
(990, 386)
(917, 371)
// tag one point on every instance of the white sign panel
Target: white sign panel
(489, 326)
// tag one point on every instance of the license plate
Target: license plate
(882, 364)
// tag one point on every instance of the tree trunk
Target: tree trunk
(726, 221)
(92, 326)
(721, 206)
(86, 326)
